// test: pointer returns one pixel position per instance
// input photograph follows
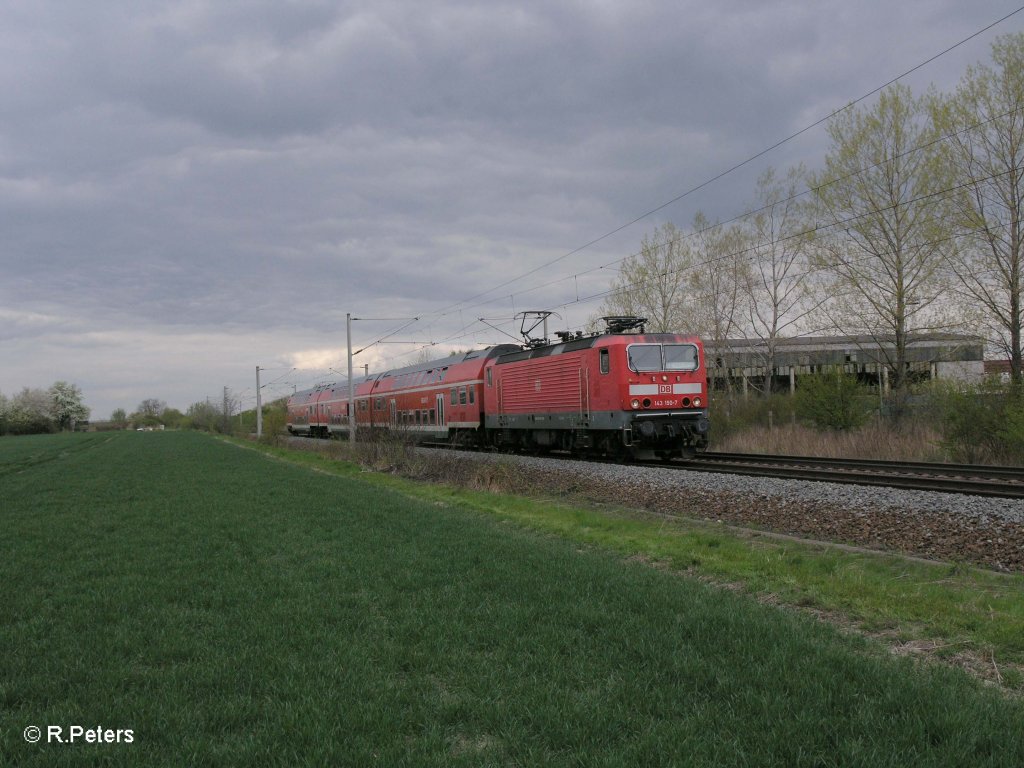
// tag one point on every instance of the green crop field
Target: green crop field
(228, 608)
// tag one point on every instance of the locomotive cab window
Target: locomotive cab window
(605, 361)
(680, 357)
(658, 357)
(645, 357)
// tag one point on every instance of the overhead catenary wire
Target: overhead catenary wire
(447, 310)
(465, 304)
(747, 214)
(749, 250)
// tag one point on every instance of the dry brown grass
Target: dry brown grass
(909, 442)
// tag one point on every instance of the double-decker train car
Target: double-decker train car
(438, 399)
(619, 393)
(321, 411)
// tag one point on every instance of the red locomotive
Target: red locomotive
(621, 393)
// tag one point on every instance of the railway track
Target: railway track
(976, 480)
(971, 479)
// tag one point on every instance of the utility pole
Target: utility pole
(227, 411)
(351, 384)
(259, 406)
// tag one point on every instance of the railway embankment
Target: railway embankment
(939, 526)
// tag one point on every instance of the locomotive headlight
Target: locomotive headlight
(635, 403)
(697, 402)
(664, 377)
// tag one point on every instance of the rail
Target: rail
(977, 480)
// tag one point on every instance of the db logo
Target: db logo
(664, 389)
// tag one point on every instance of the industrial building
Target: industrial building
(741, 364)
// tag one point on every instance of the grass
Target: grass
(909, 442)
(958, 608)
(234, 610)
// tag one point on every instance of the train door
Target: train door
(439, 402)
(585, 394)
(393, 414)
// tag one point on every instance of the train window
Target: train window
(645, 357)
(433, 417)
(455, 396)
(472, 396)
(462, 395)
(379, 404)
(680, 357)
(444, 372)
(605, 362)
(490, 378)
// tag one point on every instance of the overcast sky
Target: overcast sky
(192, 189)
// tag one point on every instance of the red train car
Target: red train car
(438, 399)
(321, 411)
(625, 395)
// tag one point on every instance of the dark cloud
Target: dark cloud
(253, 170)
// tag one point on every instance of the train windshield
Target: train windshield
(658, 357)
(680, 357)
(645, 357)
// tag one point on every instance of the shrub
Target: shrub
(833, 400)
(275, 419)
(1011, 431)
(732, 414)
(979, 423)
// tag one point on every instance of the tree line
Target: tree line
(42, 410)
(913, 224)
(61, 408)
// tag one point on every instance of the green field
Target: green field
(234, 609)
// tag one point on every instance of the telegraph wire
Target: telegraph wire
(747, 214)
(446, 310)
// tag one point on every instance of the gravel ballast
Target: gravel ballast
(943, 526)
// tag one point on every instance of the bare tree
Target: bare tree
(654, 283)
(119, 418)
(881, 192)
(985, 118)
(150, 408)
(716, 285)
(777, 285)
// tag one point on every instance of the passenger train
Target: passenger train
(622, 393)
